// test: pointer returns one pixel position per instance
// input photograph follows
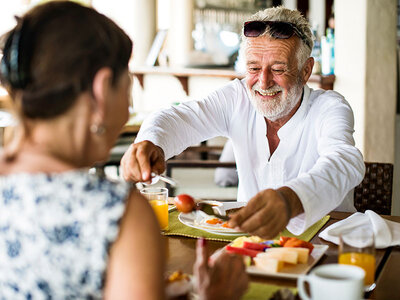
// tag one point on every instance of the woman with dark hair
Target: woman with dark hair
(66, 234)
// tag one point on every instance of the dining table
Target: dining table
(180, 252)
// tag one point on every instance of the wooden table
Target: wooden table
(181, 256)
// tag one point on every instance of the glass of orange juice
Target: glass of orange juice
(357, 247)
(158, 198)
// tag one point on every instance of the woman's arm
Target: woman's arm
(136, 266)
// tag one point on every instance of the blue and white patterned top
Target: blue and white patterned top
(55, 233)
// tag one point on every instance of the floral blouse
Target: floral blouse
(55, 233)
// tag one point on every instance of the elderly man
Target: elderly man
(294, 146)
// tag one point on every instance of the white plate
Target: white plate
(197, 220)
(293, 271)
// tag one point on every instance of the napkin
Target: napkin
(386, 233)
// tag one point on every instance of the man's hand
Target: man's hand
(267, 213)
(222, 278)
(140, 160)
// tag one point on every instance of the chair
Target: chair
(375, 191)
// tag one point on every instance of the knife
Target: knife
(209, 210)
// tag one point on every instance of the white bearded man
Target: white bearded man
(294, 146)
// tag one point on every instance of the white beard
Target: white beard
(279, 107)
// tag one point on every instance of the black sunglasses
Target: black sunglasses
(278, 30)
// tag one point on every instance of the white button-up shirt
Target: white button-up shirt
(316, 156)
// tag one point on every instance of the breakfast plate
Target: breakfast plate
(293, 271)
(198, 220)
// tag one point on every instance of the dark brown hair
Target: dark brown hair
(54, 52)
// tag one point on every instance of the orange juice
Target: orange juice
(363, 260)
(160, 208)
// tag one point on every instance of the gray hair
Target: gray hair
(283, 14)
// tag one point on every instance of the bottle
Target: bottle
(316, 54)
(328, 53)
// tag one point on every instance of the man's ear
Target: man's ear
(101, 87)
(307, 69)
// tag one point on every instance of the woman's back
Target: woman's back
(55, 233)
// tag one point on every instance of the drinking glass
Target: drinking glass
(357, 247)
(158, 198)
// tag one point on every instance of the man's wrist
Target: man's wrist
(292, 201)
(287, 204)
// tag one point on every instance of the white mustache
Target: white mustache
(257, 88)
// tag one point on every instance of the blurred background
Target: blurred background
(184, 49)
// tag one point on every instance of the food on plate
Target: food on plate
(178, 284)
(297, 255)
(272, 255)
(268, 264)
(295, 242)
(177, 276)
(216, 221)
(184, 203)
(240, 240)
(242, 251)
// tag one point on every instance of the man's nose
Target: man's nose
(265, 79)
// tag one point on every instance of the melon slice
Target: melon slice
(268, 264)
(303, 253)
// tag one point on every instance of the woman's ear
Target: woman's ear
(102, 83)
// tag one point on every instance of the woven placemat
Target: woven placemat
(179, 229)
(261, 291)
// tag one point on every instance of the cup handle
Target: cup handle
(300, 286)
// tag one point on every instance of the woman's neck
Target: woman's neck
(34, 160)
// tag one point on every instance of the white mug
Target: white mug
(332, 282)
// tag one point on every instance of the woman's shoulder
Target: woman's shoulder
(77, 187)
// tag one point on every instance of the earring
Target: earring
(98, 129)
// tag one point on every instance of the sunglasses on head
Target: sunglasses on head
(277, 29)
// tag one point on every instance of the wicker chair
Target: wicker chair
(375, 191)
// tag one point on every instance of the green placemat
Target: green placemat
(177, 228)
(260, 291)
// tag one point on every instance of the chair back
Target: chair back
(375, 191)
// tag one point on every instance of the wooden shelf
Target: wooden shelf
(183, 74)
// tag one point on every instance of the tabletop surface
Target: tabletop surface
(181, 256)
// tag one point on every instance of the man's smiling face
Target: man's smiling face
(273, 76)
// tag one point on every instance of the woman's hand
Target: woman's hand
(222, 278)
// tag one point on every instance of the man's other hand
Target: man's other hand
(140, 160)
(267, 213)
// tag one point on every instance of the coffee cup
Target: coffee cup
(332, 282)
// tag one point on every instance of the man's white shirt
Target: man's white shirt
(316, 156)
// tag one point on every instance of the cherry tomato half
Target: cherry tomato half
(184, 203)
